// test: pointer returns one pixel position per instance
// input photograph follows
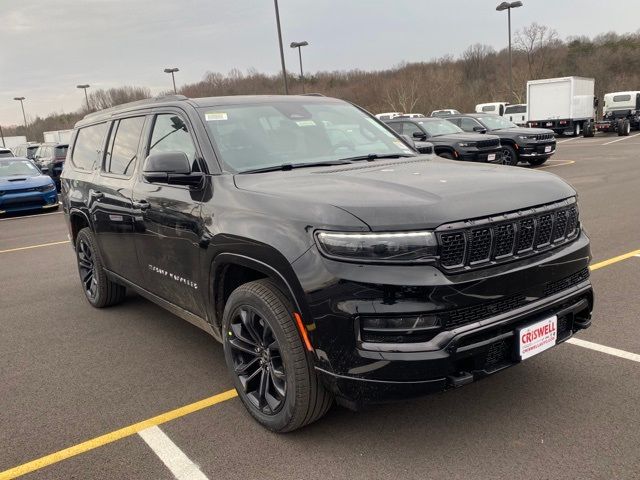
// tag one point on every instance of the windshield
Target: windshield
(494, 122)
(255, 136)
(439, 127)
(5, 153)
(19, 167)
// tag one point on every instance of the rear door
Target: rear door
(113, 209)
(170, 221)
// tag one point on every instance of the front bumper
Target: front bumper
(360, 371)
(537, 150)
(25, 201)
(484, 155)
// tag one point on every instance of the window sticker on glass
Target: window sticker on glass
(215, 116)
(306, 123)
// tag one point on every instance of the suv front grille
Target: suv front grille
(487, 241)
(544, 137)
(488, 143)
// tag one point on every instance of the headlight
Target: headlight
(47, 188)
(379, 247)
(527, 137)
(466, 144)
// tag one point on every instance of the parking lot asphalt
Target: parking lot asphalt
(70, 373)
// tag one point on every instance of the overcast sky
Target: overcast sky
(47, 47)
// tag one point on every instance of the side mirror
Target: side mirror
(480, 129)
(419, 135)
(170, 167)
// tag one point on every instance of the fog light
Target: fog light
(408, 324)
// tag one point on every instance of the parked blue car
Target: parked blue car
(24, 187)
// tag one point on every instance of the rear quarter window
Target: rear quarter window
(89, 144)
(622, 98)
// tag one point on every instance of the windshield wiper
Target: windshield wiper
(375, 156)
(290, 166)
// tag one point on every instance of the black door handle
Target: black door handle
(142, 205)
(96, 195)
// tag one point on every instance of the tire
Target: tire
(626, 128)
(260, 338)
(509, 155)
(577, 129)
(99, 290)
(537, 161)
(589, 130)
(620, 127)
(446, 155)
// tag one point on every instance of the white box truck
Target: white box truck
(564, 105)
(57, 136)
(12, 142)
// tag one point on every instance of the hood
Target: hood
(417, 193)
(18, 182)
(523, 131)
(462, 137)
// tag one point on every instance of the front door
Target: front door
(170, 222)
(112, 199)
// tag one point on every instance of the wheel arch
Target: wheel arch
(77, 221)
(229, 270)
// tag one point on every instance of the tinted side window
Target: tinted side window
(411, 128)
(122, 151)
(396, 127)
(61, 151)
(171, 134)
(89, 142)
(467, 124)
(622, 98)
(489, 108)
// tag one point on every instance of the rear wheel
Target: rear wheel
(98, 288)
(509, 155)
(577, 129)
(589, 130)
(272, 372)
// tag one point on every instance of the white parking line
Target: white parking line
(604, 349)
(174, 458)
(621, 139)
(567, 140)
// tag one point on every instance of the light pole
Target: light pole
(284, 69)
(508, 6)
(86, 97)
(172, 71)
(24, 117)
(299, 46)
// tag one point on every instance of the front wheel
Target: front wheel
(272, 372)
(509, 155)
(99, 290)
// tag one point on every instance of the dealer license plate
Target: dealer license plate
(537, 337)
(547, 149)
(491, 156)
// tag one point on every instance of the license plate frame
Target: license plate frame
(491, 157)
(534, 338)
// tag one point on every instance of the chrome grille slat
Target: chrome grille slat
(488, 241)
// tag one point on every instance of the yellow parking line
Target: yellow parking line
(34, 246)
(170, 415)
(617, 259)
(565, 162)
(115, 435)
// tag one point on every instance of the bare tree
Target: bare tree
(537, 43)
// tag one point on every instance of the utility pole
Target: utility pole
(172, 71)
(86, 97)
(299, 46)
(508, 6)
(284, 69)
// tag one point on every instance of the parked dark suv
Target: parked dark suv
(329, 258)
(534, 145)
(50, 158)
(448, 140)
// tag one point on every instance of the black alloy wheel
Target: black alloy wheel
(509, 156)
(257, 360)
(86, 266)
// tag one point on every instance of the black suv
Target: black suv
(448, 140)
(535, 145)
(50, 158)
(329, 258)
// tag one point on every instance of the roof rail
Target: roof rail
(137, 103)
